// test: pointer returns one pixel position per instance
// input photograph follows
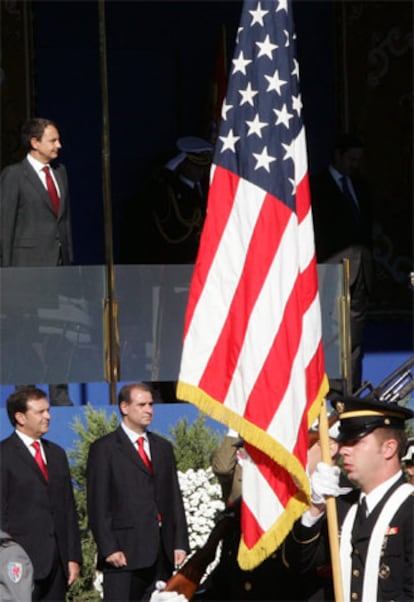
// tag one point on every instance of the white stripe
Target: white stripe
(286, 422)
(260, 497)
(265, 319)
(312, 330)
(211, 312)
(301, 161)
(394, 502)
(370, 584)
(306, 242)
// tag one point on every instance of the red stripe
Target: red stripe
(250, 528)
(275, 375)
(303, 198)
(279, 480)
(220, 203)
(219, 369)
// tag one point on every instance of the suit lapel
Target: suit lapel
(26, 456)
(59, 179)
(126, 448)
(34, 180)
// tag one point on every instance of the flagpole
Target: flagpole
(111, 337)
(331, 513)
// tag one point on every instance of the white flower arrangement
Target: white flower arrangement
(202, 498)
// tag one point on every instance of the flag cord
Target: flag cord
(331, 513)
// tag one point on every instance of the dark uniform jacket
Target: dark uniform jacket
(126, 502)
(36, 512)
(308, 547)
(337, 233)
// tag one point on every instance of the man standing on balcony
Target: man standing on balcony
(35, 227)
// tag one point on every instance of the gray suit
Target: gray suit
(31, 234)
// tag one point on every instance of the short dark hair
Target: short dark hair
(124, 394)
(34, 128)
(346, 141)
(394, 433)
(17, 401)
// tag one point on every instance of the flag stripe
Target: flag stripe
(252, 352)
(246, 304)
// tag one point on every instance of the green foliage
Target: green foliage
(97, 425)
(193, 444)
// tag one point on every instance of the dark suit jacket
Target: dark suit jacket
(337, 234)
(306, 548)
(124, 500)
(34, 511)
(30, 232)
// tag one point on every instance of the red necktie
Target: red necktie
(142, 453)
(39, 459)
(51, 188)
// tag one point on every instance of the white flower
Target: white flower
(202, 501)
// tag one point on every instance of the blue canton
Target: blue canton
(261, 115)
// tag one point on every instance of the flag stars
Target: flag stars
(297, 104)
(256, 126)
(295, 71)
(282, 5)
(263, 159)
(247, 95)
(275, 83)
(289, 148)
(257, 15)
(266, 48)
(224, 110)
(283, 116)
(240, 63)
(229, 141)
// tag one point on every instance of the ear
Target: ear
(390, 448)
(20, 418)
(34, 142)
(123, 406)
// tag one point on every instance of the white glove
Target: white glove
(324, 482)
(158, 595)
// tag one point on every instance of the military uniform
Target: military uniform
(376, 549)
(395, 570)
(16, 571)
(271, 580)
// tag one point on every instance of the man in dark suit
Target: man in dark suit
(342, 223)
(377, 519)
(135, 507)
(35, 227)
(37, 503)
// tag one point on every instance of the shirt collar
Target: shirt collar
(374, 496)
(26, 439)
(132, 435)
(37, 165)
(337, 175)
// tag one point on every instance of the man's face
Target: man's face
(35, 421)
(47, 148)
(349, 161)
(137, 415)
(364, 460)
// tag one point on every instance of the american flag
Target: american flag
(252, 352)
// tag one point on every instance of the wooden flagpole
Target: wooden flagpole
(331, 513)
(111, 336)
